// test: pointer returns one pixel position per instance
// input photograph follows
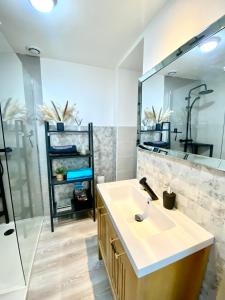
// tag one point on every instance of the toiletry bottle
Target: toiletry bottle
(169, 199)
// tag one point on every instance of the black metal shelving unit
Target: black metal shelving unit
(161, 130)
(52, 182)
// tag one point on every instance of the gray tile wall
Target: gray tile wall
(201, 196)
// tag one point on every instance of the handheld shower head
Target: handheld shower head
(197, 98)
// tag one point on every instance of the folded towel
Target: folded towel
(80, 173)
(63, 149)
(157, 144)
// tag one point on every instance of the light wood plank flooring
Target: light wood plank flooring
(66, 265)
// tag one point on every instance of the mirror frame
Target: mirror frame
(215, 163)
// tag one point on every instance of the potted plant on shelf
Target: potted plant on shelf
(60, 172)
(57, 114)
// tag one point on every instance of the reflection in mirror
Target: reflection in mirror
(183, 104)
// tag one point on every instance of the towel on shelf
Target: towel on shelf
(79, 174)
(63, 149)
(157, 144)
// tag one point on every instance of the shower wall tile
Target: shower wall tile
(200, 195)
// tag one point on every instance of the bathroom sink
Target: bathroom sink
(128, 201)
(163, 237)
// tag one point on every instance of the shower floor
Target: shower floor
(12, 283)
(9, 260)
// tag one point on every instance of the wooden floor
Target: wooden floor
(66, 265)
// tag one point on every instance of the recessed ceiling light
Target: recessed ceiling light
(172, 73)
(44, 6)
(34, 51)
(209, 44)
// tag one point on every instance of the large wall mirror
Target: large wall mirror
(182, 101)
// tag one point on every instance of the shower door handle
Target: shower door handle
(5, 150)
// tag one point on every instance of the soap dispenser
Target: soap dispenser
(169, 198)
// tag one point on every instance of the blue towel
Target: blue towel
(80, 173)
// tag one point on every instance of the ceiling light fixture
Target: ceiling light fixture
(209, 44)
(172, 73)
(34, 51)
(44, 6)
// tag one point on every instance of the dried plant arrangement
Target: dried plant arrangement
(157, 117)
(77, 119)
(57, 113)
(164, 117)
(13, 110)
(149, 115)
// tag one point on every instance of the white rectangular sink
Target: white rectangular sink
(128, 201)
(163, 237)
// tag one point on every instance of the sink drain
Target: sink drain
(8, 232)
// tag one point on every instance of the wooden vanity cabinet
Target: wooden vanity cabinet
(122, 278)
(178, 281)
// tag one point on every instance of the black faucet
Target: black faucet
(147, 188)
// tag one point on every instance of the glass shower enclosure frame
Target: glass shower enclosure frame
(20, 171)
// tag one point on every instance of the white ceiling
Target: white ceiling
(93, 32)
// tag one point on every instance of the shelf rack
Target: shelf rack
(161, 130)
(52, 181)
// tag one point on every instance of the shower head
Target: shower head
(206, 92)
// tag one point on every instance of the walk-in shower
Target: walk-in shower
(203, 90)
(21, 209)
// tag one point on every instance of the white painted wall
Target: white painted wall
(127, 97)
(153, 94)
(91, 88)
(126, 120)
(176, 23)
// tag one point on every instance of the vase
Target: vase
(60, 126)
(158, 126)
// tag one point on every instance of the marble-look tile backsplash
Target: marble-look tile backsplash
(200, 195)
